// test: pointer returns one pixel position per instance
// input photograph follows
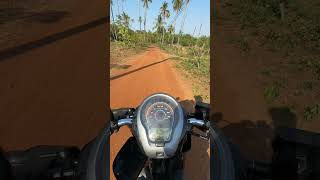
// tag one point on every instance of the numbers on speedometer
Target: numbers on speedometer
(159, 112)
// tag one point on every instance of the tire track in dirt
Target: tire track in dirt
(143, 75)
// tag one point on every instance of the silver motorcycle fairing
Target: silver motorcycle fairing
(169, 148)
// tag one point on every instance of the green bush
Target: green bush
(311, 112)
(299, 28)
(271, 92)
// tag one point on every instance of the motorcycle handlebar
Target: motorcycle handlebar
(123, 122)
(196, 122)
(122, 113)
(128, 121)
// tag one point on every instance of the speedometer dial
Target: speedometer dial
(159, 125)
(159, 117)
(159, 112)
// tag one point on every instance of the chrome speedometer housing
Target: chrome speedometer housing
(159, 126)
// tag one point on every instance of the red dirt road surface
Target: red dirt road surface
(52, 73)
(142, 75)
(238, 97)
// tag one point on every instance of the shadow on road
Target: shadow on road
(282, 116)
(138, 69)
(119, 66)
(254, 137)
(47, 16)
(197, 159)
(15, 14)
(14, 51)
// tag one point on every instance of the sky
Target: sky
(198, 13)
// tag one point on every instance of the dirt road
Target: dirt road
(239, 105)
(52, 74)
(142, 75)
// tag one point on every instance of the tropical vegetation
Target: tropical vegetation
(191, 50)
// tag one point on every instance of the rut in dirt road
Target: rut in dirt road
(145, 74)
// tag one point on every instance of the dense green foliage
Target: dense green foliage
(291, 28)
(193, 52)
(299, 27)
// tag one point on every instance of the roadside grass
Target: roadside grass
(194, 63)
(266, 71)
(307, 85)
(311, 112)
(311, 64)
(271, 92)
(244, 44)
(120, 51)
(296, 36)
(299, 28)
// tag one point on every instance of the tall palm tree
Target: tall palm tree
(122, 2)
(171, 31)
(140, 21)
(118, 7)
(111, 4)
(140, 18)
(165, 13)
(177, 7)
(112, 16)
(186, 3)
(146, 6)
(126, 20)
(159, 24)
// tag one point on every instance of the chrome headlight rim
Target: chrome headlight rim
(168, 148)
(163, 98)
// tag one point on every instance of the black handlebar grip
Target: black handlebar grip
(5, 168)
(202, 111)
(122, 113)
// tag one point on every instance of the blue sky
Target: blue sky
(198, 13)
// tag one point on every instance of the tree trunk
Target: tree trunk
(140, 20)
(172, 39)
(122, 5)
(113, 31)
(162, 36)
(144, 23)
(282, 9)
(178, 42)
(118, 7)
(183, 20)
